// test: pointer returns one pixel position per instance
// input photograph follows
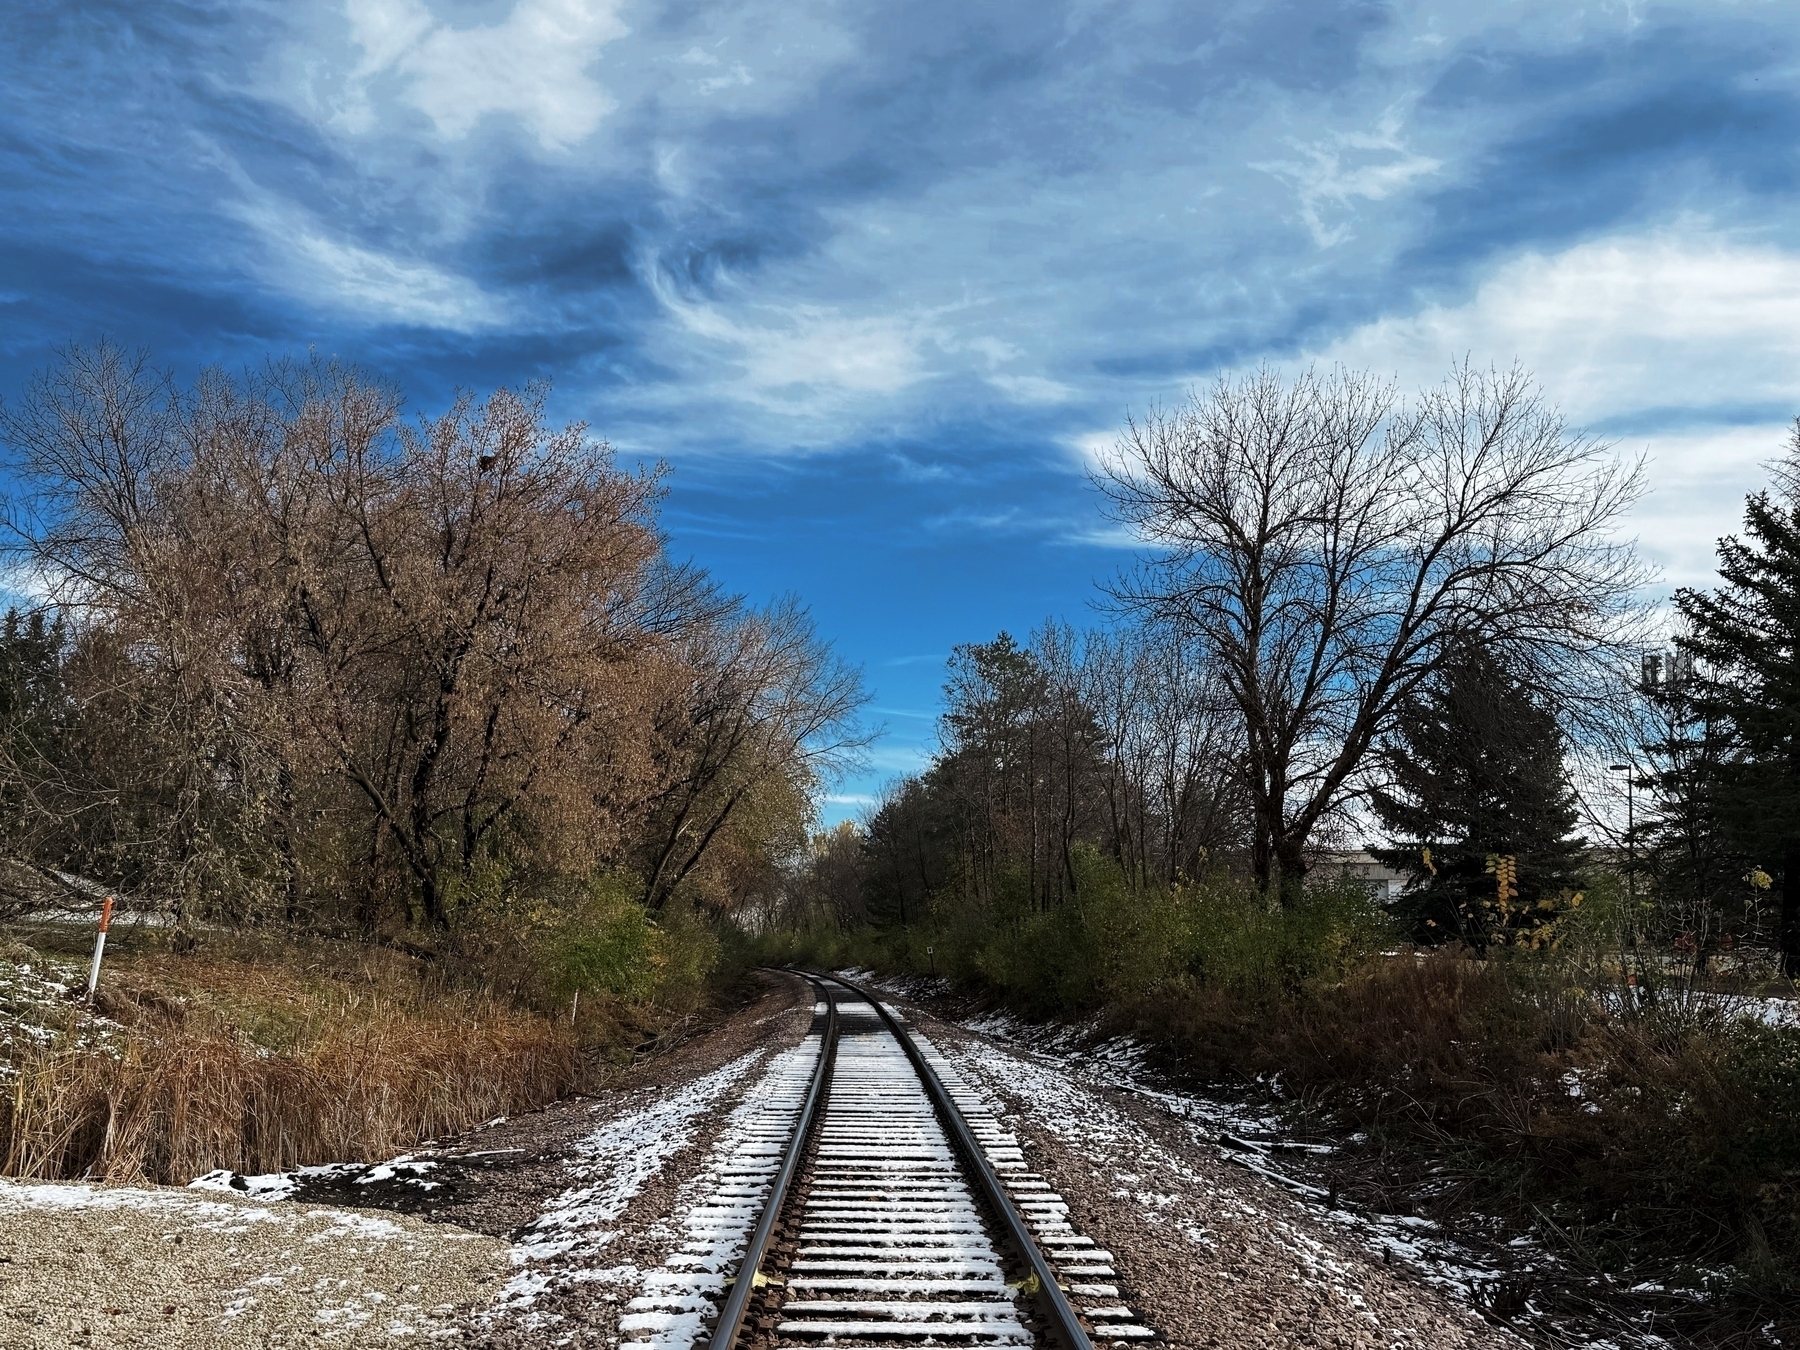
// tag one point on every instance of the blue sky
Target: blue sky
(877, 278)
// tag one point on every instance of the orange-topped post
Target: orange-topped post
(99, 947)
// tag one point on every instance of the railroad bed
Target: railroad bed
(899, 1213)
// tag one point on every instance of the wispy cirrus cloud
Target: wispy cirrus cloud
(881, 279)
(1332, 174)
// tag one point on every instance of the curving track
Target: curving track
(902, 1213)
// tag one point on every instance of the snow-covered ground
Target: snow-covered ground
(622, 1215)
(37, 1010)
(609, 1169)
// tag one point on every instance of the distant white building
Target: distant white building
(1385, 881)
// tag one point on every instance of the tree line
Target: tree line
(299, 656)
(1358, 616)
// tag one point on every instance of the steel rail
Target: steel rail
(731, 1318)
(1065, 1324)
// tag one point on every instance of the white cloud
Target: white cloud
(1677, 320)
(303, 259)
(1687, 330)
(385, 288)
(1092, 447)
(1698, 482)
(24, 587)
(876, 354)
(533, 65)
(887, 757)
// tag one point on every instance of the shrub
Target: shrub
(260, 1068)
(604, 943)
(1532, 1083)
(1112, 944)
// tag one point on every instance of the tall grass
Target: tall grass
(1670, 1135)
(263, 1051)
(261, 1065)
(177, 1102)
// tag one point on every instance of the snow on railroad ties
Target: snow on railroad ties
(891, 1243)
(715, 1210)
(1083, 1267)
(565, 1244)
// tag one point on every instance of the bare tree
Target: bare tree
(1328, 546)
(763, 708)
(1173, 799)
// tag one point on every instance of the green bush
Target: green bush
(823, 946)
(686, 956)
(601, 943)
(1112, 944)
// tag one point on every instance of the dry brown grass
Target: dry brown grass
(261, 1065)
(1662, 1142)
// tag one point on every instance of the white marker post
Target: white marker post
(99, 947)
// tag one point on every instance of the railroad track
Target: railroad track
(900, 1212)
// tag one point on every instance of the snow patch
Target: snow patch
(611, 1166)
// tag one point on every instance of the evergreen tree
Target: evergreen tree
(1684, 833)
(1477, 775)
(1747, 634)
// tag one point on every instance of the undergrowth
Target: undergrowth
(1648, 1136)
(261, 1051)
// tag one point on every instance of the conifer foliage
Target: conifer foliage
(1747, 636)
(1477, 778)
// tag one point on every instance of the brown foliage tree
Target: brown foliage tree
(398, 668)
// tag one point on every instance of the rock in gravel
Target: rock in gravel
(125, 1266)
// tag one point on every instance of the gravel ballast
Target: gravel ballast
(126, 1266)
(1213, 1258)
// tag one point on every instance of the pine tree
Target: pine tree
(1747, 634)
(1478, 778)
